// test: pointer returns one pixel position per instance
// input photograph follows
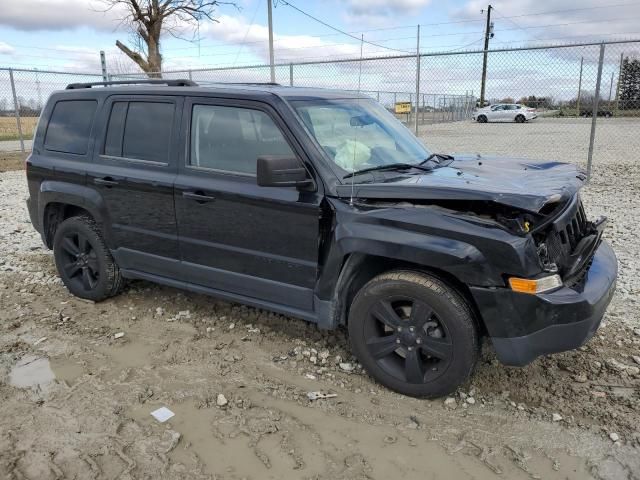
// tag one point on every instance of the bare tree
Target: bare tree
(147, 20)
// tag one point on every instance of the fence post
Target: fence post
(594, 115)
(190, 75)
(417, 79)
(103, 65)
(16, 108)
(291, 74)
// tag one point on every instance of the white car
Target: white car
(505, 112)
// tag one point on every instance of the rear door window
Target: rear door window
(70, 126)
(140, 131)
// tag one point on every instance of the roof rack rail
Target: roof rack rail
(169, 83)
(275, 84)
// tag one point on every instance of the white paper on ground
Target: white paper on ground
(162, 414)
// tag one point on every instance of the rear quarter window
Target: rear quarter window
(70, 126)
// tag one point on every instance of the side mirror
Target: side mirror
(281, 171)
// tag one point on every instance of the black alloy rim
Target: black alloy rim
(79, 261)
(408, 340)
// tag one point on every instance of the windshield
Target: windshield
(359, 133)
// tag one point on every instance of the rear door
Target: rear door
(235, 236)
(134, 169)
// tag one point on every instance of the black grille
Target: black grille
(565, 233)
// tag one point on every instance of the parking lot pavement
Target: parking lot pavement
(561, 139)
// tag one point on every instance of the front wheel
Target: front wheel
(83, 260)
(413, 333)
(520, 119)
(482, 119)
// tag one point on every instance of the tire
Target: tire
(427, 353)
(520, 119)
(84, 262)
(482, 119)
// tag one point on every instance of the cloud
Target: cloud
(288, 48)
(556, 22)
(376, 12)
(57, 15)
(6, 49)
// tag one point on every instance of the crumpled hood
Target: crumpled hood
(514, 182)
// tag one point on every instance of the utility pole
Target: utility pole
(618, 83)
(579, 88)
(487, 35)
(610, 89)
(273, 71)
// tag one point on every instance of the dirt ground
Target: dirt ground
(10, 161)
(76, 395)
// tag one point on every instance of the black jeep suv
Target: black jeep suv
(319, 204)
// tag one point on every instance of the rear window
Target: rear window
(70, 126)
(140, 131)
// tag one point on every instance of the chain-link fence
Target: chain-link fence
(585, 98)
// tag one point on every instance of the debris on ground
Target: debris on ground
(162, 414)
(320, 395)
(221, 400)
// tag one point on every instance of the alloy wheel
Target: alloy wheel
(80, 262)
(408, 340)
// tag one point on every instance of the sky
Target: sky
(68, 35)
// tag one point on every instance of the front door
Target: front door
(235, 236)
(134, 168)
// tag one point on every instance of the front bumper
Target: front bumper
(523, 327)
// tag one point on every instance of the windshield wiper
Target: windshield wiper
(391, 166)
(435, 158)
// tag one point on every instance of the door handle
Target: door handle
(106, 181)
(199, 197)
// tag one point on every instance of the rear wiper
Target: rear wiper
(435, 158)
(391, 166)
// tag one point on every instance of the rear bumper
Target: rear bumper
(523, 327)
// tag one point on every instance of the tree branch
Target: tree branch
(135, 56)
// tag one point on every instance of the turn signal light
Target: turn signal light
(539, 285)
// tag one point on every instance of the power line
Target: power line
(338, 30)
(573, 10)
(514, 23)
(258, 3)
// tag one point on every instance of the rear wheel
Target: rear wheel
(482, 119)
(413, 334)
(520, 119)
(84, 262)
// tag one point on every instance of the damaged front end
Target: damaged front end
(566, 241)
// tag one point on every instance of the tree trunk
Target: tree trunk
(154, 57)
(152, 65)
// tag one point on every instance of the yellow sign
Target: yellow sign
(403, 107)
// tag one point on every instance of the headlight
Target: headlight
(539, 285)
